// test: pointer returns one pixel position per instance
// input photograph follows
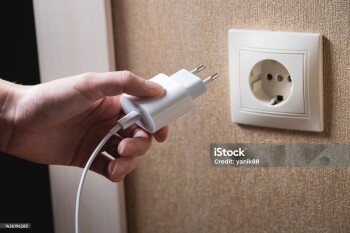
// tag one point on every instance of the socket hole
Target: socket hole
(280, 77)
(267, 89)
(269, 77)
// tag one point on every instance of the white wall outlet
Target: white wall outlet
(276, 79)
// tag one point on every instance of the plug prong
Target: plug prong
(198, 69)
(211, 78)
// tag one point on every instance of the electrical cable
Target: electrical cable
(123, 123)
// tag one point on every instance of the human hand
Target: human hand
(61, 122)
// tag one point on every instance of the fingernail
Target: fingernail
(153, 86)
(127, 148)
(118, 170)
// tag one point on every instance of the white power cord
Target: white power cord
(152, 114)
(123, 123)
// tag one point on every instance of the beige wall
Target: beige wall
(175, 189)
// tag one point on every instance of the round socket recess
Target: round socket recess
(270, 82)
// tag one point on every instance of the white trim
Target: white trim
(75, 37)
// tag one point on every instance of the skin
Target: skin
(61, 122)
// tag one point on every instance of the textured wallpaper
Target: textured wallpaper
(175, 188)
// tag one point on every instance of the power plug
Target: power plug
(180, 88)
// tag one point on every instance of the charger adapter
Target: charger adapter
(152, 114)
(181, 89)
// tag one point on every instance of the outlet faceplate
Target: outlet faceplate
(276, 79)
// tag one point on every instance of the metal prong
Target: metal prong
(210, 78)
(198, 69)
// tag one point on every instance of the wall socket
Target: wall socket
(276, 79)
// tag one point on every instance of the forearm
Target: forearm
(9, 96)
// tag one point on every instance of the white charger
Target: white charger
(152, 114)
(180, 88)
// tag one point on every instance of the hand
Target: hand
(61, 122)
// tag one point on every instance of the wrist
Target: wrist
(9, 95)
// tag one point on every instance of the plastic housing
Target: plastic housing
(180, 90)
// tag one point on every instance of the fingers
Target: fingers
(117, 169)
(94, 86)
(100, 164)
(111, 146)
(134, 85)
(136, 145)
(129, 132)
(162, 134)
(128, 150)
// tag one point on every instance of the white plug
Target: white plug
(181, 89)
(152, 114)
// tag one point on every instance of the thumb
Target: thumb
(95, 86)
